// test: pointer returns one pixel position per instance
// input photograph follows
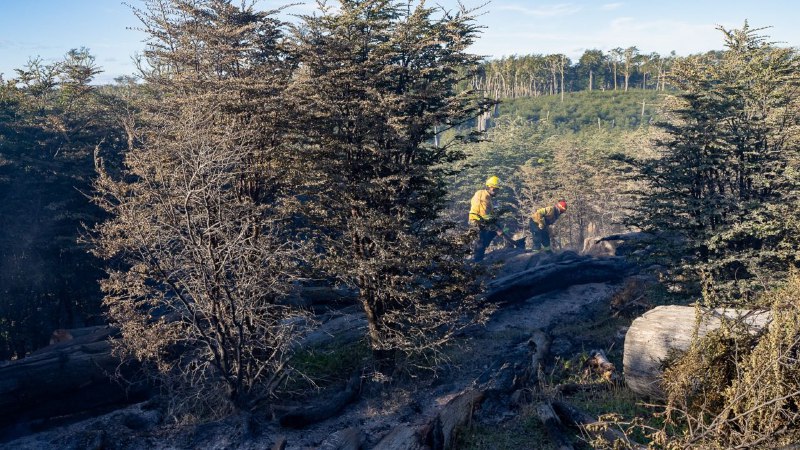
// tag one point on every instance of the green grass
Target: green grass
(332, 362)
(521, 432)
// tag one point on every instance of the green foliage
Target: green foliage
(723, 193)
(376, 78)
(600, 110)
(51, 123)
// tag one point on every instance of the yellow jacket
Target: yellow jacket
(481, 206)
(545, 216)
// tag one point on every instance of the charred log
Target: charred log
(66, 378)
(558, 272)
(325, 408)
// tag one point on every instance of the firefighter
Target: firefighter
(480, 216)
(540, 222)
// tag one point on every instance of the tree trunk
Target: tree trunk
(665, 329)
(557, 272)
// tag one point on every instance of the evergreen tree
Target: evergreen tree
(376, 77)
(723, 192)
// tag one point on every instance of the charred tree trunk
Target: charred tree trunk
(563, 270)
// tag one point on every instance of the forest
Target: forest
(253, 162)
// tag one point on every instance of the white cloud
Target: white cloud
(611, 6)
(561, 9)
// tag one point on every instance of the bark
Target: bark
(664, 330)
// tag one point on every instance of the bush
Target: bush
(736, 389)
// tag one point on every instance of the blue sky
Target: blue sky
(49, 28)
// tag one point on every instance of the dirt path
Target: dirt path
(374, 415)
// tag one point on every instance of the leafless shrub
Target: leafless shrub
(199, 267)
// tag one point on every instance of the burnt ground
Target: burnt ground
(573, 316)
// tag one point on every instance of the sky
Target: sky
(49, 28)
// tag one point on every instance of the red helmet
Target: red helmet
(561, 205)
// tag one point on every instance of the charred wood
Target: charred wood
(560, 273)
(66, 378)
(325, 408)
(552, 426)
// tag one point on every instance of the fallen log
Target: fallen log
(437, 433)
(552, 425)
(73, 375)
(664, 330)
(325, 408)
(561, 271)
(66, 378)
(573, 416)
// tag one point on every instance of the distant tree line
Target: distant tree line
(620, 69)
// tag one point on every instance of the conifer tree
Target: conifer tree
(376, 77)
(723, 193)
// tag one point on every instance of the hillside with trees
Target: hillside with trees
(269, 225)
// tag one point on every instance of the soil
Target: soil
(560, 313)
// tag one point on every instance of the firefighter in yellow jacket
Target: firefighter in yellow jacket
(540, 223)
(480, 216)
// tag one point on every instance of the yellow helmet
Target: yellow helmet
(493, 182)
